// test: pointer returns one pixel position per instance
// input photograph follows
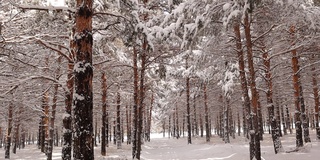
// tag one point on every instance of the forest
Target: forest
(89, 77)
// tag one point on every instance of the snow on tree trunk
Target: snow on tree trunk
(83, 73)
(254, 132)
(295, 68)
(305, 121)
(67, 119)
(268, 78)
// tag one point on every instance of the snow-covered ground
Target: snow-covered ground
(165, 149)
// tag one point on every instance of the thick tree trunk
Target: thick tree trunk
(296, 86)
(188, 104)
(305, 121)
(83, 73)
(244, 86)
(254, 132)
(9, 134)
(141, 97)
(135, 105)
(274, 128)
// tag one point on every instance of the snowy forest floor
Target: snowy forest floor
(164, 149)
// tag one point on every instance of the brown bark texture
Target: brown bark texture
(255, 138)
(83, 73)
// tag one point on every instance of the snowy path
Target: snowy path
(177, 149)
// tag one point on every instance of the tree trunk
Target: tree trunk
(283, 121)
(83, 73)
(128, 115)
(226, 126)
(118, 122)
(67, 119)
(316, 99)
(141, 97)
(296, 85)
(244, 86)
(254, 131)
(195, 123)
(206, 110)
(1, 137)
(177, 121)
(9, 134)
(45, 122)
(53, 113)
(150, 117)
(188, 104)
(135, 105)
(278, 117)
(104, 136)
(201, 123)
(274, 128)
(239, 125)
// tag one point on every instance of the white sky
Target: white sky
(57, 3)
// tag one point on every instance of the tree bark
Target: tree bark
(135, 105)
(274, 128)
(244, 86)
(53, 113)
(104, 136)
(188, 104)
(195, 129)
(67, 119)
(295, 68)
(128, 115)
(9, 134)
(316, 99)
(83, 73)
(296, 86)
(226, 131)
(118, 122)
(206, 110)
(255, 135)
